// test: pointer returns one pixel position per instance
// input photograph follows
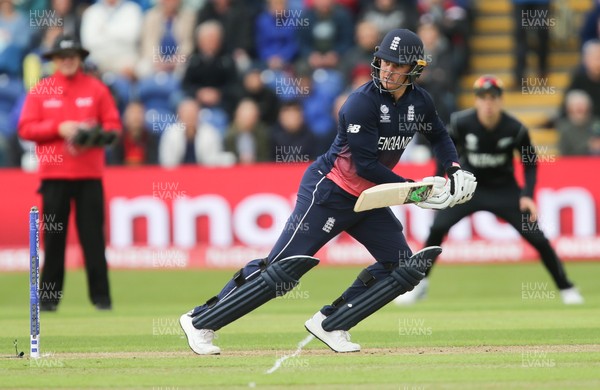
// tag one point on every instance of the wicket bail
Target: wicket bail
(34, 282)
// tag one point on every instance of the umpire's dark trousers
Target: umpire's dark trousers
(504, 203)
(88, 198)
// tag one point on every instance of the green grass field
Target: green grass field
(482, 327)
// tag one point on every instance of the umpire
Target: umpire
(61, 114)
(485, 139)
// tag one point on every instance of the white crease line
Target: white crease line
(301, 345)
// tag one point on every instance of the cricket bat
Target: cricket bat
(391, 194)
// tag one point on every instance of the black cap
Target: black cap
(488, 84)
(65, 44)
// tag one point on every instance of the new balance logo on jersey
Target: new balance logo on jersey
(353, 128)
(395, 43)
(396, 142)
(329, 225)
(486, 160)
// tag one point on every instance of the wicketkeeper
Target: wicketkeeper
(486, 138)
(375, 125)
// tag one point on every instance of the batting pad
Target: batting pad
(401, 279)
(276, 280)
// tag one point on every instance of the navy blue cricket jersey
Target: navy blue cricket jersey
(373, 131)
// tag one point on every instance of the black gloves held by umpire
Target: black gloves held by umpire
(95, 137)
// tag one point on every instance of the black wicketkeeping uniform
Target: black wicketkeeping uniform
(489, 154)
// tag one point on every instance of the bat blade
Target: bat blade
(391, 194)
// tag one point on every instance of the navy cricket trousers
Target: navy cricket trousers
(323, 210)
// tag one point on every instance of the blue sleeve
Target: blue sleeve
(15, 114)
(20, 34)
(443, 147)
(260, 37)
(306, 37)
(346, 30)
(359, 116)
(290, 50)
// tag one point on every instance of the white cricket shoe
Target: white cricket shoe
(571, 296)
(200, 340)
(411, 297)
(337, 340)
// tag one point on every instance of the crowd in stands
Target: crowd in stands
(218, 82)
(579, 122)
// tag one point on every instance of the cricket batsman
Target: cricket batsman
(376, 123)
(486, 138)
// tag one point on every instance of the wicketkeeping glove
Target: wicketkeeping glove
(462, 185)
(440, 197)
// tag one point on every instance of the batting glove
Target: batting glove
(462, 185)
(440, 197)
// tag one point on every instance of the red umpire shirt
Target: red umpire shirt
(55, 99)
